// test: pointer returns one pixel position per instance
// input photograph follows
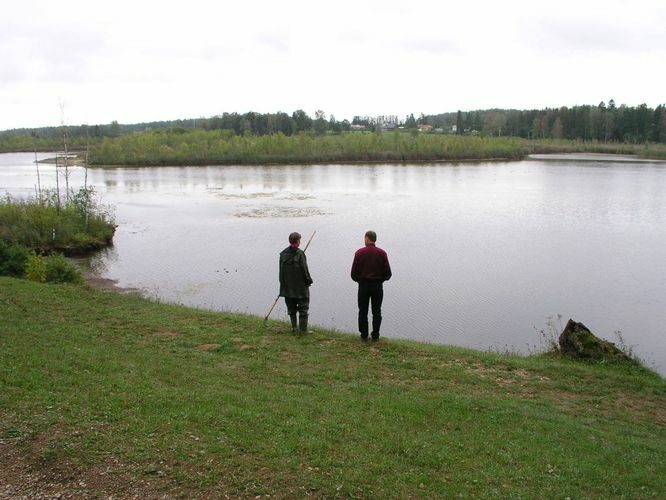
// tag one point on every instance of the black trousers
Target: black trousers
(302, 305)
(370, 294)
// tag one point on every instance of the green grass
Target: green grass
(208, 404)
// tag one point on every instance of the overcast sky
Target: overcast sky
(135, 61)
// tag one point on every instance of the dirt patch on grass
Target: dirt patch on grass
(650, 411)
(504, 375)
(27, 474)
(288, 356)
(165, 332)
(38, 467)
(242, 345)
(208, 347)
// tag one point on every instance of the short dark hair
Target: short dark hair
(294, 238)
(371, 235)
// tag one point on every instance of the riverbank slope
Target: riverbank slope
(104, 394)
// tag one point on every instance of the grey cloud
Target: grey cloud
(47, 52)
(434, 45)
(277, 43)
(563, 36)
(410, 42)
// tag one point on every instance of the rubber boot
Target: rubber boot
(294, 324)
(303, 324)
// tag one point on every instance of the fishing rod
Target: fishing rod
(278, 297)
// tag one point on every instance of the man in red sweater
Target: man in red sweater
(370, 269)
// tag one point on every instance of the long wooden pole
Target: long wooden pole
(278, 297)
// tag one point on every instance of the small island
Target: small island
(36, 233)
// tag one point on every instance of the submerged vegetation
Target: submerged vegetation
(139, 399)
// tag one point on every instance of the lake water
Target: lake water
(482, 253)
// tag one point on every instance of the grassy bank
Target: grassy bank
(103, 393)
(650, 150)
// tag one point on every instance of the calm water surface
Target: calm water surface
(482, 253)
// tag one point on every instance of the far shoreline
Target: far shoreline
(78, 161)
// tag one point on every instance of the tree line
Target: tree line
(604, 122)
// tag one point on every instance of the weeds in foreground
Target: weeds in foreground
(549, 335)
(629, 350)
(547, 340)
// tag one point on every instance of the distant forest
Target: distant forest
(604, 122)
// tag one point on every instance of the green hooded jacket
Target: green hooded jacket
(295, 277)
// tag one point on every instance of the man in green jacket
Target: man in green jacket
(295, 283)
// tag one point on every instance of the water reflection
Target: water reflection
(482, 253)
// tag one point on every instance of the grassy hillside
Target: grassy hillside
(108, 394)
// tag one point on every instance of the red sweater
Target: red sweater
(370, 265)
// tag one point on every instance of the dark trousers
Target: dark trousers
(370, 294)
(301, 306)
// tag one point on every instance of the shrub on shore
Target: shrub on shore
(19, 262)
(35, 233)
(52, 269)
(199, 147)
(48, 224)
(13, 259)
(220, 147)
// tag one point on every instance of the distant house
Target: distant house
(389, 126)
(358, 127)
(425, 128)
(454, 128)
